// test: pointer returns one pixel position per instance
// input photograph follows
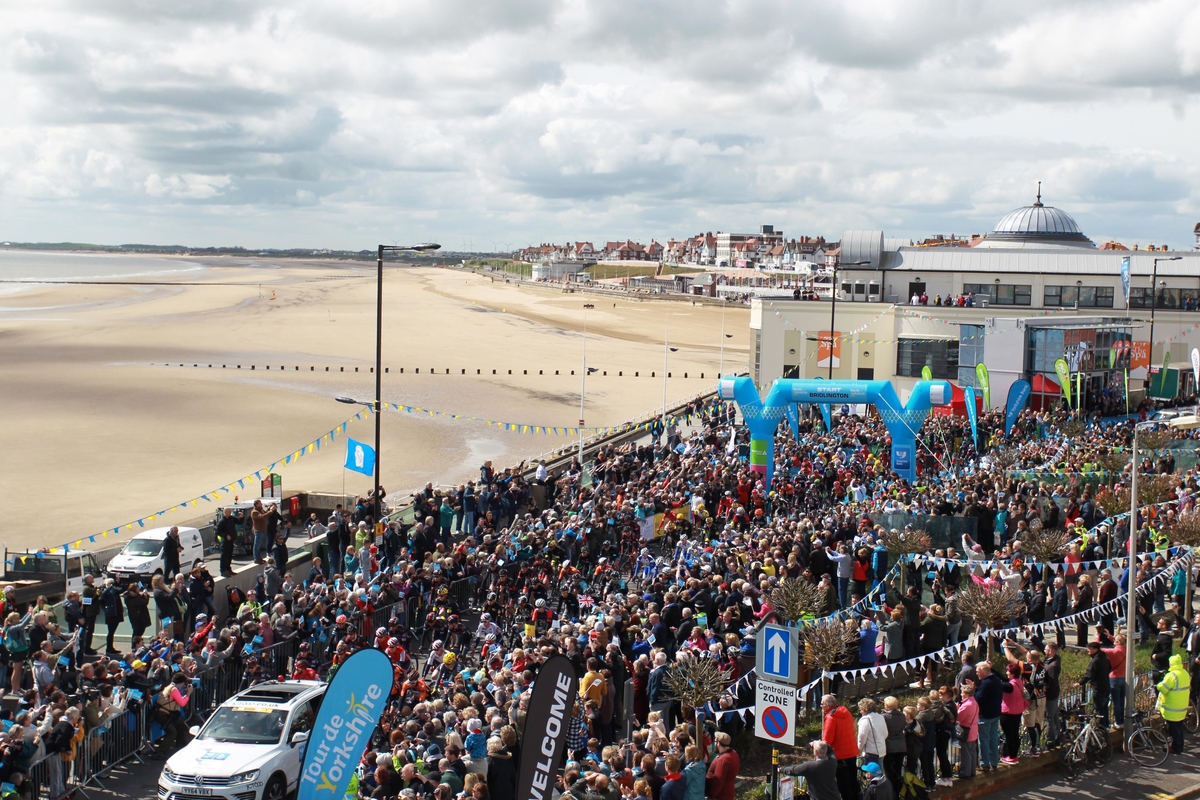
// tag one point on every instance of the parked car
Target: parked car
(251, 748)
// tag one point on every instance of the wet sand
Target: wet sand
(100, 433)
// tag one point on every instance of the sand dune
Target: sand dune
(99, 432)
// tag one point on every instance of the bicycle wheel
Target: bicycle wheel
(1192, 721)
(1070, 763)
(1101, 746)
(1148, 747)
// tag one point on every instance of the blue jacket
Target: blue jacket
(674, 790)
(866, 644)
(694, 774)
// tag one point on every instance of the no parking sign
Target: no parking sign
(775, 712)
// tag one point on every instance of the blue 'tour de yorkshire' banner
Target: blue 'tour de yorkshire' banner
(349, 713)
(1018, 395)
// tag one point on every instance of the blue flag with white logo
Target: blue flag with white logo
(1018, 395)
(360, 457)
(1125, 278)
(353, 704)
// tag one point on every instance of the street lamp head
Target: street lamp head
(593, 369)
(347, 400)
(418, 248)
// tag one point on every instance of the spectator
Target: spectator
(988, 696)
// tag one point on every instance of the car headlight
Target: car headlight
(169, 774)
(244, 777)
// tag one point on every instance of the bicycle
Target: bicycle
(1092, 747)
(1147, 745)
(1192, 721)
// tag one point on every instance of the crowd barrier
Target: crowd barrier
(130, 734)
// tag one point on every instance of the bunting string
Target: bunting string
(212, 496)
(518, 427)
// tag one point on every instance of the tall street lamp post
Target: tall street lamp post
(376, 504)
(1131, 601)
(724, 335)
(1153, 306)
(833, 293)
(583, 383)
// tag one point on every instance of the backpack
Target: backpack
(164, 703)
(16, 642)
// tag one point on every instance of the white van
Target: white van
(142, 556)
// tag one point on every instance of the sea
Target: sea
(18, 266)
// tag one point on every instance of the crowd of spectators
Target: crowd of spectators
(670, 553)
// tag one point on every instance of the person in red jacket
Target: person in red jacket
(839, 732)
(722, 772)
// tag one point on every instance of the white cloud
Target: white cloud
(311, 122)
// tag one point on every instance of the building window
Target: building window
(1183, 299)
(941, 356)
(1085, 296)
(970, 353)
(1001, 294)
(1044, 346)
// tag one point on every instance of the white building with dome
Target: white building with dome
(1040, 288)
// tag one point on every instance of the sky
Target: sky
(489, 125)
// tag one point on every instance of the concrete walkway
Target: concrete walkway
(1122, 779)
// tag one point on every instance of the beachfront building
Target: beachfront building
(746, 249)
(1032, 291)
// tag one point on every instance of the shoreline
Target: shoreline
(122, 440)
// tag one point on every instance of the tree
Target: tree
(793, 598)
(900, 543)
(1186, 531)
(1002, 460)
(1154, 489)
(1045, 544)
(990, 606)
(696, 680)
(826, 644)
(1113, 500)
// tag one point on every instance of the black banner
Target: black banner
(545, 736)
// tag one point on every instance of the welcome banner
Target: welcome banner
(544, 738)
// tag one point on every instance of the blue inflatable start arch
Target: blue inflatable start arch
(903, 421)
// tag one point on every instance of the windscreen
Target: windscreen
(142, 548)
(245, 725)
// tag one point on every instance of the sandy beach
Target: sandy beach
(100, 432)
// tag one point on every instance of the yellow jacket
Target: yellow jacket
(1174, 691)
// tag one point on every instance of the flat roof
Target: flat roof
(1062, 260)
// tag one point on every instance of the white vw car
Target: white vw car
(251, 748)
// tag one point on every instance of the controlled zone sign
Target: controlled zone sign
(777, 654)
(775, 712)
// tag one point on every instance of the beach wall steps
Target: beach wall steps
(414, 371)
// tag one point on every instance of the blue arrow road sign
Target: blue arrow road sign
(777, 654)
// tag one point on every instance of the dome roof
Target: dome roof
(1037, 219)
(1036, 226)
